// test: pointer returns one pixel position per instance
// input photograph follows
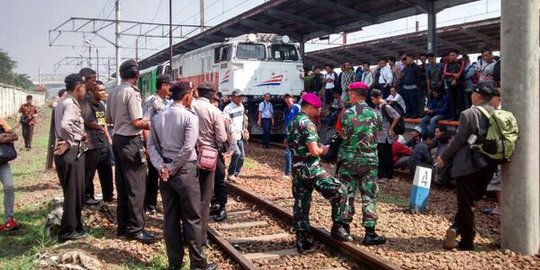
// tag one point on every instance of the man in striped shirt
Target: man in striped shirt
(235, 110)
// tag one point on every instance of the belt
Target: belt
(408, 87)
(124, 136)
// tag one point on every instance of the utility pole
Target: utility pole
(89, 55)
(170, 39)
(97, 63)
(520, 218)
(202, 15)
(137, 49)
(117, 43)
(108, 69)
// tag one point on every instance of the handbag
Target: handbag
(7, 152)
(207, 159)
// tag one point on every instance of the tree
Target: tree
(8, 76)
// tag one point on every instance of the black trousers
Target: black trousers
(410, 96)
(456, 98)
(267, 129)
(469, 189)
(99, 160)
(206, 182)
(70, 171)
(28, 134)
(384, 151)
(220, 186)
(150, 198)
(182, 211)
(130, 181)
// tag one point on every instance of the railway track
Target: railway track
(258, 233)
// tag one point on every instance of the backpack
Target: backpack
(400, 127)
(501, 138)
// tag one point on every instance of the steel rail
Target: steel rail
(352, 251)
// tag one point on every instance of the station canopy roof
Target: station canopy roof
(303, 20)
(466, 38)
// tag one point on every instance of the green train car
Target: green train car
(147, 79)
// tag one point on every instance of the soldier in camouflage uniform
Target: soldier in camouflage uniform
(308, 174)
(358, 157)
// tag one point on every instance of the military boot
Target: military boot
(303, 244)
(347, 228)
(372, 238)
(214, 209)
(340, 233)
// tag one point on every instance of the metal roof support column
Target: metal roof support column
(303, 50)
(432, 28)
(520, 219)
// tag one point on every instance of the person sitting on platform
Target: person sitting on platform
(438, 110)
(421, 155)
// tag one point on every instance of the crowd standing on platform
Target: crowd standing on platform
(175, 142)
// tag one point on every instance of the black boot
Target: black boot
(372, 238)
(340, 233)
(347, 228)
(303, 244)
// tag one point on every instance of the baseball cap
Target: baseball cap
(485, 89)
(237, 93)
(313, 100)
(417, 129)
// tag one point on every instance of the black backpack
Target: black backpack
(400, 127)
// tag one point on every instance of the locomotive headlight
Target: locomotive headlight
(252, 38)
(285, 39)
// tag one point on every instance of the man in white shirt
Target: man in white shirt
(329, 83)
(367, 76)
(266, 119)
(385, 78)
(486, 66)
(235, 110)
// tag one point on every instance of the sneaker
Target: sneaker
(10, 225)
(450, 239)
(286, 177)
(221, 215)
(91, 202)
(232, 178)
(152, 211)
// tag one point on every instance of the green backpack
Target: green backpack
(501, 138)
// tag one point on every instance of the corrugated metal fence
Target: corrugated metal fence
(11, 98)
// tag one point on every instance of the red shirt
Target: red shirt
(399, 150)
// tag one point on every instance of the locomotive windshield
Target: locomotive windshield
(250, 51)
(284, 52)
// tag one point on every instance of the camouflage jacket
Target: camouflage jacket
(360, 125)
(302, 131)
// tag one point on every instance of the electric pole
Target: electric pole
(117, 44)
(170, 39)
(202, 16)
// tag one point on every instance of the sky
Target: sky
(25, 25)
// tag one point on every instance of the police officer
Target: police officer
(151, 107)
(69, 157)
(358, 158)
(211, 133)
(308, 174)
(125, 111)
(171, 147)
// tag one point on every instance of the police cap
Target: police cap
(180, 88)
(129, 69)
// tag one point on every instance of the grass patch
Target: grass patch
(18, 248)
(250, 163)
(395, 200)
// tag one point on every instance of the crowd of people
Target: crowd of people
(176, 141)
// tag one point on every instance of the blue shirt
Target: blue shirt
(266, 109)
(291, 113)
